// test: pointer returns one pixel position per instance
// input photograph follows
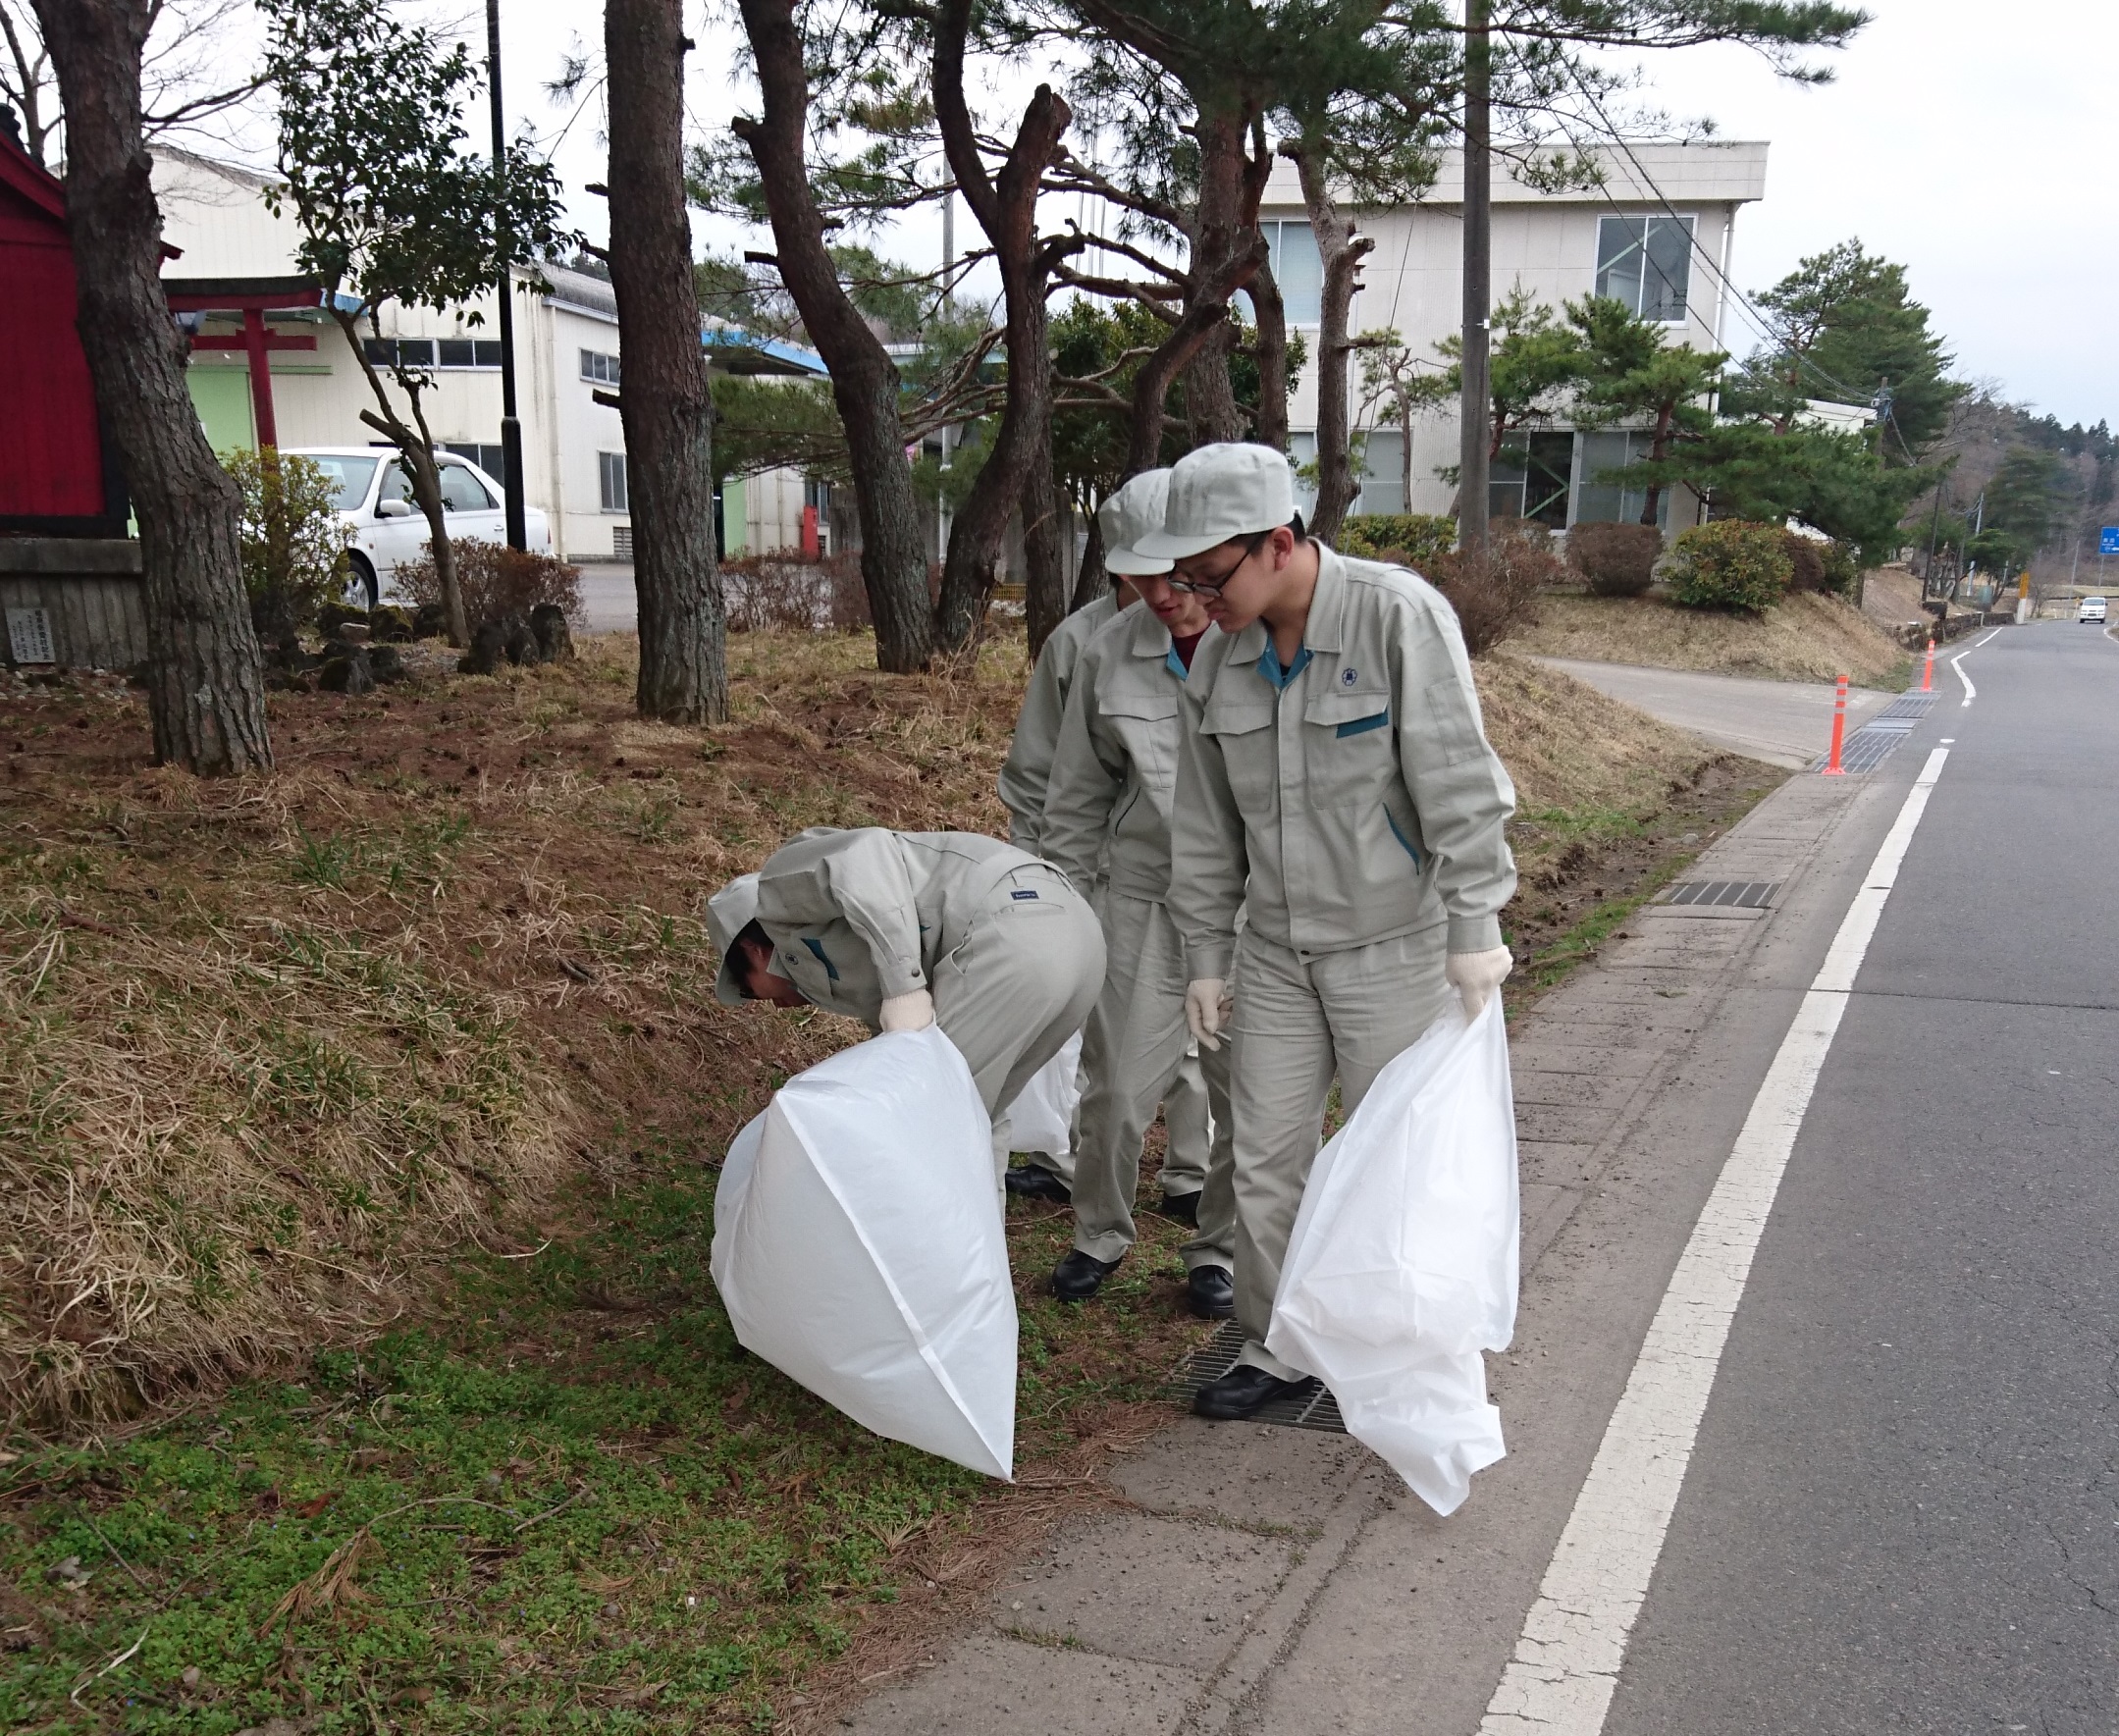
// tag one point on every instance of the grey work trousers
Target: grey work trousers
(1135, 1049)
(1298, 1022)
(1020, 981)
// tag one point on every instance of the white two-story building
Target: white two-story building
(1656, 235)
(566, 353)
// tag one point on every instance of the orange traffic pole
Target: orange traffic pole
(1832, 768)
(1927, 674)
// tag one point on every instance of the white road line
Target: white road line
(1971, 692)
(1573, 1641)
(1989, 639)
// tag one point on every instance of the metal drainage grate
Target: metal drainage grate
(1726, 894)
(1317, 1409)
(1878, 739)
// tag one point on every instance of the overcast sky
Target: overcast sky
(1971, 145)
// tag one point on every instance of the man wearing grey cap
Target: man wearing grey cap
(1023, 781)
(1107, 818)
(1336, 784)
(907, 930)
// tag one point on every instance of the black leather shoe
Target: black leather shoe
(1184, 1207)
(1244, 1391)
(1030, 1181)
(1210, 1293)
(1079, 1276)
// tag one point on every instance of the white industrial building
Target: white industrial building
(1657, 235)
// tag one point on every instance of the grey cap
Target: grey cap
(1232, 489)
(730, 911)
(1129, 513)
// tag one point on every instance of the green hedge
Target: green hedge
(1730, 563)
(1411, 538)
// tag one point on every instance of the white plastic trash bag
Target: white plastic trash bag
(1041, 1118)
(1403, 1264)
(857, 1245)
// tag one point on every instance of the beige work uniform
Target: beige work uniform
(1011, 954)
(1027, 774)
(1114, 779)
(1353, 809)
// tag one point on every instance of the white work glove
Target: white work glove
(1476, 974)
(908, 1012)
(1209, 1003)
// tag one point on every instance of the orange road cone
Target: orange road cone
(1927, 674)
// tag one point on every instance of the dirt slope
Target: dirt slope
(1807, 636)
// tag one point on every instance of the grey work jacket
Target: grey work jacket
(1028, 773)
(858, 917)
(1358, 800)
(1114, 778)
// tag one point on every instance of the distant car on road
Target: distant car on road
(384, 526)
(2091, 609)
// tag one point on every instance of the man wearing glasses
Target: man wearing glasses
(1107, 815)
(1334, 781)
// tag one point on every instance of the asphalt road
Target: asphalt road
(1902, 1514)
(1783, 723)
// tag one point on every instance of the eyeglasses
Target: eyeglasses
(1215, 585)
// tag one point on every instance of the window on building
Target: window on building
(1645, 264)
(492, 460)
(470, 353)
(1532, 478)
(602, 368)
(1297, 269)
(461, 492)
(610, 474)
(405, 352)
(1604, 497)
(1382, 472)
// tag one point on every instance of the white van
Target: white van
(2091, 609)
(384, 526)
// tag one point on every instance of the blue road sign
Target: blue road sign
(2108, 540)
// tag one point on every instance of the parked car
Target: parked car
(384, 526)
(2091, 609)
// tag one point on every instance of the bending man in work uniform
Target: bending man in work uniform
(907, 930)
(1114, 779)
(1336, 784)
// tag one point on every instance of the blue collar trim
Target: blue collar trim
(1282, 679)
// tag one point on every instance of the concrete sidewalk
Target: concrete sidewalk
(1281, 1583)
(1783, 723)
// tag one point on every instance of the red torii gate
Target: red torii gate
(253, 299)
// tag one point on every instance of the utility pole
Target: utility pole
(1473, 467)
(949, 295)
(518, 533)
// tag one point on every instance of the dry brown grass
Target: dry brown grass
(269, 1050)
(1807, 636)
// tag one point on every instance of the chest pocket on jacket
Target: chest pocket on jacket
(1351, 746)
(1249, 749)
(1147, 725)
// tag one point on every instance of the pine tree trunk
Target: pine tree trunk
(1226, 249)
(865, 382)
(1210, 407)
(1018, 472)
(1271, 426)
(1091, 582)
(205, 682)
(1341, 251)
(666, 403)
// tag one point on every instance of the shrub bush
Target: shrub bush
(1842, 567)
(1406, 539)
(293, 541)
(1616, 560)
(497, 582)
(1495, 601)
(1806, 561)
(1730, 563)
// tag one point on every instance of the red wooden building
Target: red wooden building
(58, 476)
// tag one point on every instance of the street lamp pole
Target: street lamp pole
(1472, 460)
(519, 534)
